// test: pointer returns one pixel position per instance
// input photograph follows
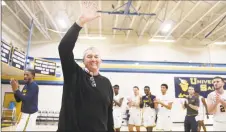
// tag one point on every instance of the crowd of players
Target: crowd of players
(155, 111)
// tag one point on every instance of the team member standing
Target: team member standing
(201, 112)
(134, 110)
(87, 102)
(148, 104)
(192, 105)
(216, 102)
(117, 108)
(29, 98)
(165, 103)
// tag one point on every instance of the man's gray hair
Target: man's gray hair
(92, 49)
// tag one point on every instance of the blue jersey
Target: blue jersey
(147, 101)
(29, 98)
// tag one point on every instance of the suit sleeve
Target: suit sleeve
(29, 95)
(110, 113)
(65, 48)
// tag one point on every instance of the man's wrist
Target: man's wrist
(16, 89)
(81, 24)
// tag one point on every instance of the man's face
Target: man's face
(136, 91)
(146, 91)
(218, 83)
(163, 89)
(92, 60)
(191, 90)
(28, 76)
(116, 90)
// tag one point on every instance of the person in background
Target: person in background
(192, 105)
(148, 105)
(134, 110)
(201, 112)
(165, 103)
(216, 103)
(117, 108)
(87, 102)
(29, 98)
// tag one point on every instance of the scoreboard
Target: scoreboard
(18, 59)
(5, 52)
(45, 67)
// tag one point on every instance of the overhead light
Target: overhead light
(161, 40)
(220, 43)
(166, 27)
(92, 38)
(62, 23)
(3, 3)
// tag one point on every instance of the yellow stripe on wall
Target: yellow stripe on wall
(52, 78)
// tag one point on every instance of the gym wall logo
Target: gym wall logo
(203, 85)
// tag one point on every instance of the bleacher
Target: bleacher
(47, 117)
(8, 117)
(52, 117)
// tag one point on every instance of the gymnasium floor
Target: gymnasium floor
(176, 127)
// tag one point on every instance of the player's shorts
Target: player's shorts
(200, 117)
(135, 117)
(149, 116)
(164, 123)
(219, 126)
(117, 114)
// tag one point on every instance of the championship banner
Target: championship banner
(5, 52)
(45, 67)
(18, 59)
(202, 84)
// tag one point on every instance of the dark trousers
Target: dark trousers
(190, 123)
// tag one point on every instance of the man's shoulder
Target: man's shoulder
(34, 83)
(195, 97)
(120, 96)
(169, 97)
(211, 94)
(153, 96)
(105, 78)
(143, 96)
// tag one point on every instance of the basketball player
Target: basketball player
(165, 103)
(148, 104)
(192, 105)
(134, 110)
(201, 111)
(216, 102)
(87, 102)
(29, 98)
(117, 110)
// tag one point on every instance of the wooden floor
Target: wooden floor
(176, 127)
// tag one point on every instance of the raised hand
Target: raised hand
(14, 83)
(89, 12)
